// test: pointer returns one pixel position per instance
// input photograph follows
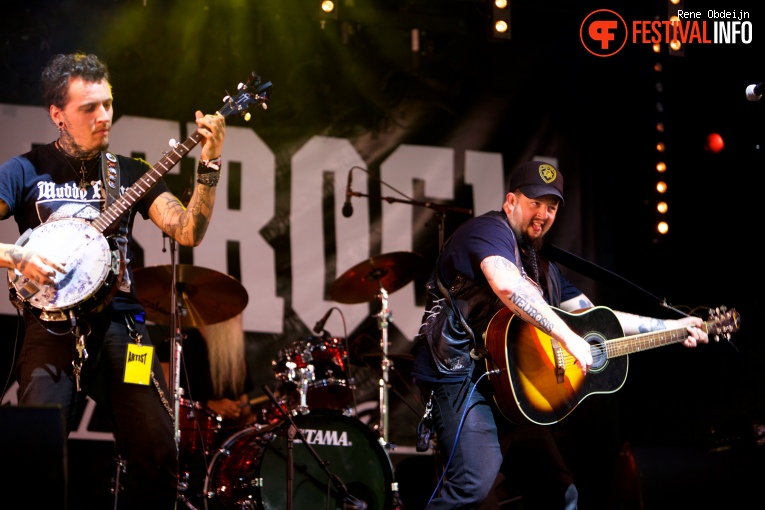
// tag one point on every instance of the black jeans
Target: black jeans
(143, 429)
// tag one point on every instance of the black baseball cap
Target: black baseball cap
(537, 178)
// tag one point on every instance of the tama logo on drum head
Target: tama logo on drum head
(325, 437)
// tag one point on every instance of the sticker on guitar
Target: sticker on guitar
(541, 384)
(95, 265)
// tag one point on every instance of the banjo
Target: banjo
(95, 264)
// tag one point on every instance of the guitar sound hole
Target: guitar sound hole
(598, 350)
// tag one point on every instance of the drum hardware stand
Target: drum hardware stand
(384, 315)
(117, 487)
(177, 344)
(383, 319)
(306, 375)
(349, 501)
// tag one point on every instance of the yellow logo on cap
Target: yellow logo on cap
(547, 173)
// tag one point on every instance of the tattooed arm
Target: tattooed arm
(188, 225)
(526, 302)
(636, 324)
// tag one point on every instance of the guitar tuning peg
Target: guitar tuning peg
(240, 86)
(172, 143)
(227, 99)
(264, 105)
(247, 116)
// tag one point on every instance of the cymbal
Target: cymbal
(208, 295)
(362, 282)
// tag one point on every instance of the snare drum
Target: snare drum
(315, 366)
(249, 470)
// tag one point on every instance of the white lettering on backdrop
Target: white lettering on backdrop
(265, 310)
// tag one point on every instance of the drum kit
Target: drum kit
(305, 448)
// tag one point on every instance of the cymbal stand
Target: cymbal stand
(383, 319)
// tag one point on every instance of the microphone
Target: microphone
(319, 327)
(754, 91)
(347, 207)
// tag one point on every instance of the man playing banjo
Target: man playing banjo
(80, 341)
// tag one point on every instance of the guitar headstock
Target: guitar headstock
(723, 322)
(252, 92)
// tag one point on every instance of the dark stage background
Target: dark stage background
(690, 416)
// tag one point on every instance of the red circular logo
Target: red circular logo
(603, 33)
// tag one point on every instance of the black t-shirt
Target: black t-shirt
(470, 244)
(44, 185)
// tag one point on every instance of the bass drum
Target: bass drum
(250, 470)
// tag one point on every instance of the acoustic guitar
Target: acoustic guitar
(540, 382)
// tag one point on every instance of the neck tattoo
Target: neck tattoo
(86, 166)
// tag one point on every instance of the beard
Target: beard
(525, 241)
(535, 244)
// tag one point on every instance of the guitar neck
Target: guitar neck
(109, 218)
(630, 344)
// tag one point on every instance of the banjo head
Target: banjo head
(92, 266)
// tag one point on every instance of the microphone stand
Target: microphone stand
(177, 344)
(439, 208)
(384, 315)
(292, 432)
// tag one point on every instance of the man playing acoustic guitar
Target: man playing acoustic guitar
(70, 271)
(492, 263)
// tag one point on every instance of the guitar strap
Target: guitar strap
(110, 177)
(558, 354)
(590, 269)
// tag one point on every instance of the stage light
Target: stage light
(661, 167)
(660, 147)
(714, 143)
(676, 48)
(662, 207)
(327, 11)
(662, 227)
(500, 19)
(661, 187)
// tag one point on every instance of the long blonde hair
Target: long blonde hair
(225, 347)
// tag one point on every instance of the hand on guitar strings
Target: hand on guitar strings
(35, 266)
(696, 335)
